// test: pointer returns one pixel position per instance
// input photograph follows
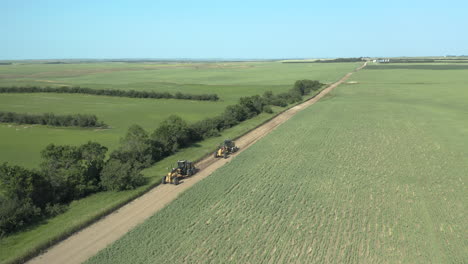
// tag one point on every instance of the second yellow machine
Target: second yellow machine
(225, 149)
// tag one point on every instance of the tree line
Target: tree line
(329, 61)
(79, 120)
(66, 173)
(110, 92)
(71, 172)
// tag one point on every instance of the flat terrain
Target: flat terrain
(25, 142)
(229, 80)
(89, 241)
(91, 207)
(373, 173)
(209, 77)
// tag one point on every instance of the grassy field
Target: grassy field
(25, 142)
(374, 173)
(85, 210)
(229, 80)
(208, 77)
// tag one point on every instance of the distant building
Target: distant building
(383, 60)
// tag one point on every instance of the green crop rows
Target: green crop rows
(373, 173)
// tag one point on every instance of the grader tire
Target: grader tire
(176, 181)
(163, 181)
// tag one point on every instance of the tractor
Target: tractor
(184, 169)
(226, 148)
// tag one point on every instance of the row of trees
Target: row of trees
(142, 149)
(341, 60)
(66, 173)
(329, 61)
(110, 92)
(50, 119)
(72, 172)
(249, 107)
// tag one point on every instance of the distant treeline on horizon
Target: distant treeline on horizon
(328, 61)
(214, 60)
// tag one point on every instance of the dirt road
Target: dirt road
(86, 243)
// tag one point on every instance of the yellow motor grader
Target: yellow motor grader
(184, 169)
(226, 148)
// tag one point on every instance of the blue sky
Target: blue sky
(39, 29)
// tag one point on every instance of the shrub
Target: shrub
(135, 148)
(22, 184)
(236, 113)
(16, 213)
(73, 172)
(304, 87)
(172, 133)
(118, 176)
(52, 210)
(204, 129)
(267, 109)
(253, 105)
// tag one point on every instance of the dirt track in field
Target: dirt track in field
(89, 241)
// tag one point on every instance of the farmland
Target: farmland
(25, 141)
(229, 80)
(373, 173)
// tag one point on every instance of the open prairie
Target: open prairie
(373, 173)
(229, 80)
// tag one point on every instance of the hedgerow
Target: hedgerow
(79, 120)
(110, 92)
(72, 172)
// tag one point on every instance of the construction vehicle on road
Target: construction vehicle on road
(225, 149)
(183, 170)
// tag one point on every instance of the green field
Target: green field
(373, 173)
(82, 211)
(209, 77)
(24, 142)
(229, 80)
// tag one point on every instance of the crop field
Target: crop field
(229, 80)
(82, 211)
(24, 142)
(170, 77)
(373, 173)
